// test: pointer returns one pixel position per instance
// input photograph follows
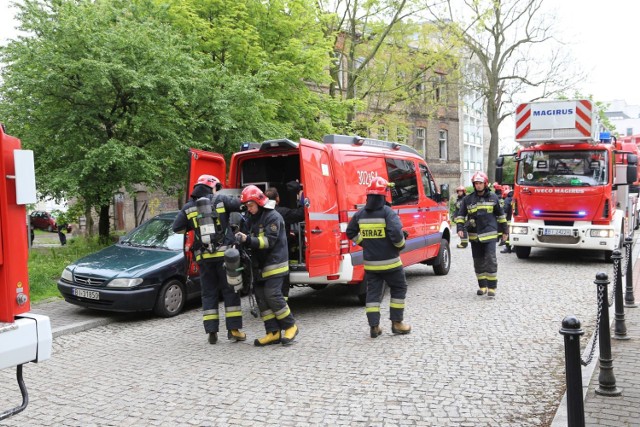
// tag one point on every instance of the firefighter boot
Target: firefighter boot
(270, 338)
(376, 331)
(213, 337)
(492, 293)
(236, 335)
(289, 335)
(481, 291)
(461, 245)
(400, 328)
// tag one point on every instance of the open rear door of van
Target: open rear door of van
(204, 163)
(321, 215)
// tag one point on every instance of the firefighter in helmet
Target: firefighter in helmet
(207, 214)
(267, 239)
(461, 192)
(487, 223)
(377, 228)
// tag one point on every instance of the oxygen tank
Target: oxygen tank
(206, 224)
(233, 267)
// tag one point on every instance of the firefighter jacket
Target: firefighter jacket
(268, 242)
(456, 206)
(508, 205)
(379, 232)
(187, 220)
(485, 219)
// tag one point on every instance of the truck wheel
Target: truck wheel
(522, 252)
(607, 256)
(171, 299)
(443, 261)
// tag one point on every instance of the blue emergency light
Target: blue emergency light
(605, 137)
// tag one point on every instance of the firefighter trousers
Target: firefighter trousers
(485, 263)
(397, 284)
(213, 281)
(274, 310)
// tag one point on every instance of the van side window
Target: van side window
(403, 174)
(428, 184)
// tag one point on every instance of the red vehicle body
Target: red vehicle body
(24, 336)
(570, 189)
(334, 175)
(42, 220)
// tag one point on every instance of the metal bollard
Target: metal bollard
(573, 371)
(629, 300)
(620, 328)
(606, 379)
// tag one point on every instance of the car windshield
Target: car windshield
(155, 233)
(563, 168)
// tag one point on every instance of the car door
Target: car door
(321, 214)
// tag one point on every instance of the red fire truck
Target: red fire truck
(24, 336)
(334, 175)
(571, 189)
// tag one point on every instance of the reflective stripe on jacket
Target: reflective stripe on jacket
(484, 218)
(268, 240)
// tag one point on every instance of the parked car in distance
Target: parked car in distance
(42, 220)
(146, 270)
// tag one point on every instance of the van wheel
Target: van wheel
(362, 299)
(443, 261)
(522, 252)
(171, 299)
(318, 286)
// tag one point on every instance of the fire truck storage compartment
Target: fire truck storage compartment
(277, 171)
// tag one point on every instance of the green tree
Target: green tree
(108, 95)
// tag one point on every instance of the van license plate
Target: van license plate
(557, 232)
(86, 294)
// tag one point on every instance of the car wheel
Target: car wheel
(443, 262)
(522, 252)
(171, 299)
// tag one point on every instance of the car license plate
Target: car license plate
(557, 232)
(86, 294)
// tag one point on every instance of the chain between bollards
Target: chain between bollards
(573, 372)
(629, 300)
(620, 328)
(606, 378)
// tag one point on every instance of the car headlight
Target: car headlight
(602, 233)
(124, 283)
(67, 275)
(518, 229)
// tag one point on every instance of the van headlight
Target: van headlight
(602, 233)
(518, 229)
(124, 283)
(67, 275)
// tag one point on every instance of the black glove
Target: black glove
(405, 233)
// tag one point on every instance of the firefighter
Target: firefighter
(508, 211)
(207, 213)
(498, 189)
(268, 242)
(377, 228)
(290, 216)
(462, 192)
(487, 223)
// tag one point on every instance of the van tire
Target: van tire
(318, 286)
(442, 263)
(522, 252)
(171, 299)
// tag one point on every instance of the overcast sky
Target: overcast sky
(602, 35)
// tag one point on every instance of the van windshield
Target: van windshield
(563, 168)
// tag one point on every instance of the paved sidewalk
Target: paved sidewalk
(599, 410)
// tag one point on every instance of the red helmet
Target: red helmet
(378, 186)
(253, 194)
(480, 177)
(461, 188)
(210, 181)
(505, 190)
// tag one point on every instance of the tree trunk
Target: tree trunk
(103, 224)
(494, 142)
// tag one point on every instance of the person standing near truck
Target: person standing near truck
(461, 192)
(486, 221)
(269, 254)
(208, 250)
(377, 228)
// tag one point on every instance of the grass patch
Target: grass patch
(46, 265)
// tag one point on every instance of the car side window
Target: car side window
(402, 173)
(428, 184)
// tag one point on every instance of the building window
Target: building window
(442, 143)
(629, 131)
(421, 142)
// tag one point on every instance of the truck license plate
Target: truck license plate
(557, 232)
(86, 294)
